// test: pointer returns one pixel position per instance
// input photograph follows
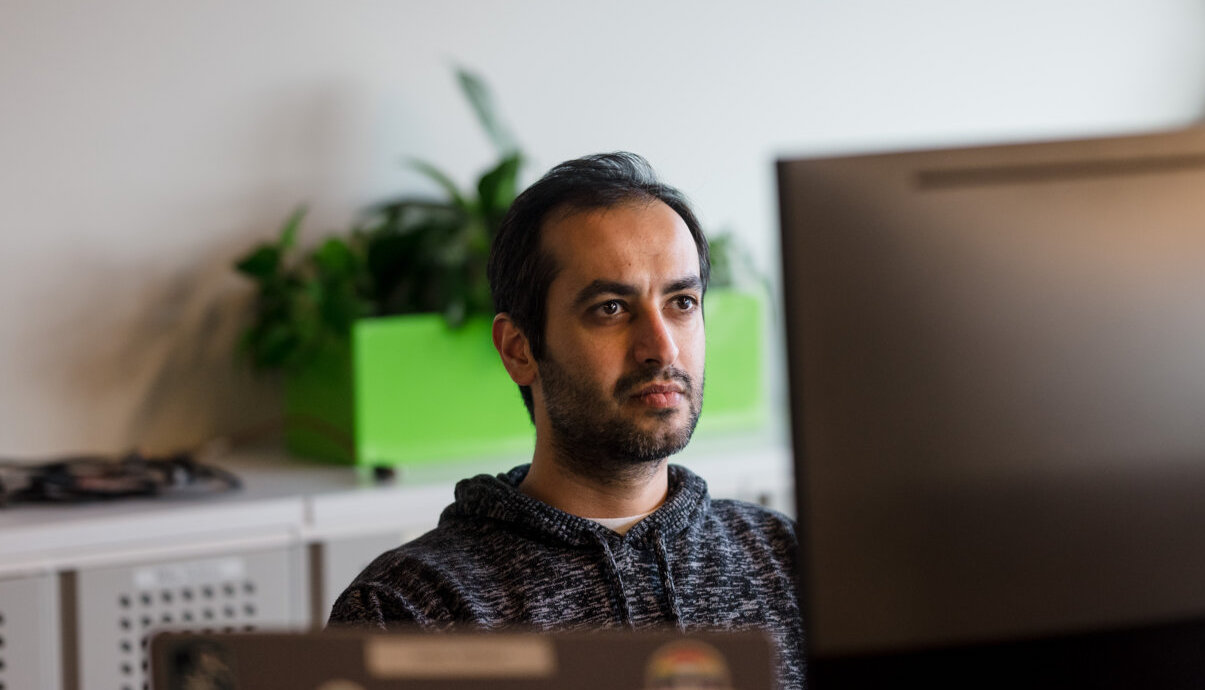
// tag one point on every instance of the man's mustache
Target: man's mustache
(627, 384)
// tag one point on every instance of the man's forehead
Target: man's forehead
(638, 228)
(579, 220)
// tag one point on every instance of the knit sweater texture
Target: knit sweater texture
(500, 558)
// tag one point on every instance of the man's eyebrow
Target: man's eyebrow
(603, 287)
(687, 283)
(614, 287)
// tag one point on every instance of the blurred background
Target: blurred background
(145, 145)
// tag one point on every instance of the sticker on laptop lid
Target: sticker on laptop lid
(687, 665)
(460, 656)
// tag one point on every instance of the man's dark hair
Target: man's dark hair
(520, 271)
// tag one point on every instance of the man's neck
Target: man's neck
(551, 482)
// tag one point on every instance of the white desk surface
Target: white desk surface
(284, 500)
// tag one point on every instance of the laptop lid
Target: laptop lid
(353, 660)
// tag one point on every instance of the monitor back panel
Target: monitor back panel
(997, 362)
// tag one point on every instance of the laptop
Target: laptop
(362, 660)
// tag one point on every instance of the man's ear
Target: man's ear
(514, 349)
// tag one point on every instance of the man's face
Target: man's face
(621, 380)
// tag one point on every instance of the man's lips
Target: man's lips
(660, 395)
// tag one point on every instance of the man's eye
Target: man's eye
(610, 308)
(685, 302)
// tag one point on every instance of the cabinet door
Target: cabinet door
(120, 607)
(29, 633)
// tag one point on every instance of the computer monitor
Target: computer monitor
(997, 389)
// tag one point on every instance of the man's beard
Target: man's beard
(609, 448)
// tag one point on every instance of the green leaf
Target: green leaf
(273, 346)
(261, 264)
(288, 233)
(335, 257)
(339, 309)
(479, 98)
(454, 312)
(442, 180)
(399, 214)
(497, 188)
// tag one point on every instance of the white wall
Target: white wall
(145, 144)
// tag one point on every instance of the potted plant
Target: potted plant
(383, 334)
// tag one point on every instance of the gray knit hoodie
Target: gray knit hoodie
(500, 558)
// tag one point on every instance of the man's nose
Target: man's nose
(654, 340)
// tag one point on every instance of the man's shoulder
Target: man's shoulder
(743, 513)
(751, 525)
(421, 581)
(452, 545)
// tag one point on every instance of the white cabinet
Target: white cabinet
(29, 632)
(117, 608)
(81, 587)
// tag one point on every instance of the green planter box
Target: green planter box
(411, 391)
(734, 398)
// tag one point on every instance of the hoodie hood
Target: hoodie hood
(498, 498)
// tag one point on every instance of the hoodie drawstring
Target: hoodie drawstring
(667, 581)
(625, 607)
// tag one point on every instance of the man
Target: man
(598, 274)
